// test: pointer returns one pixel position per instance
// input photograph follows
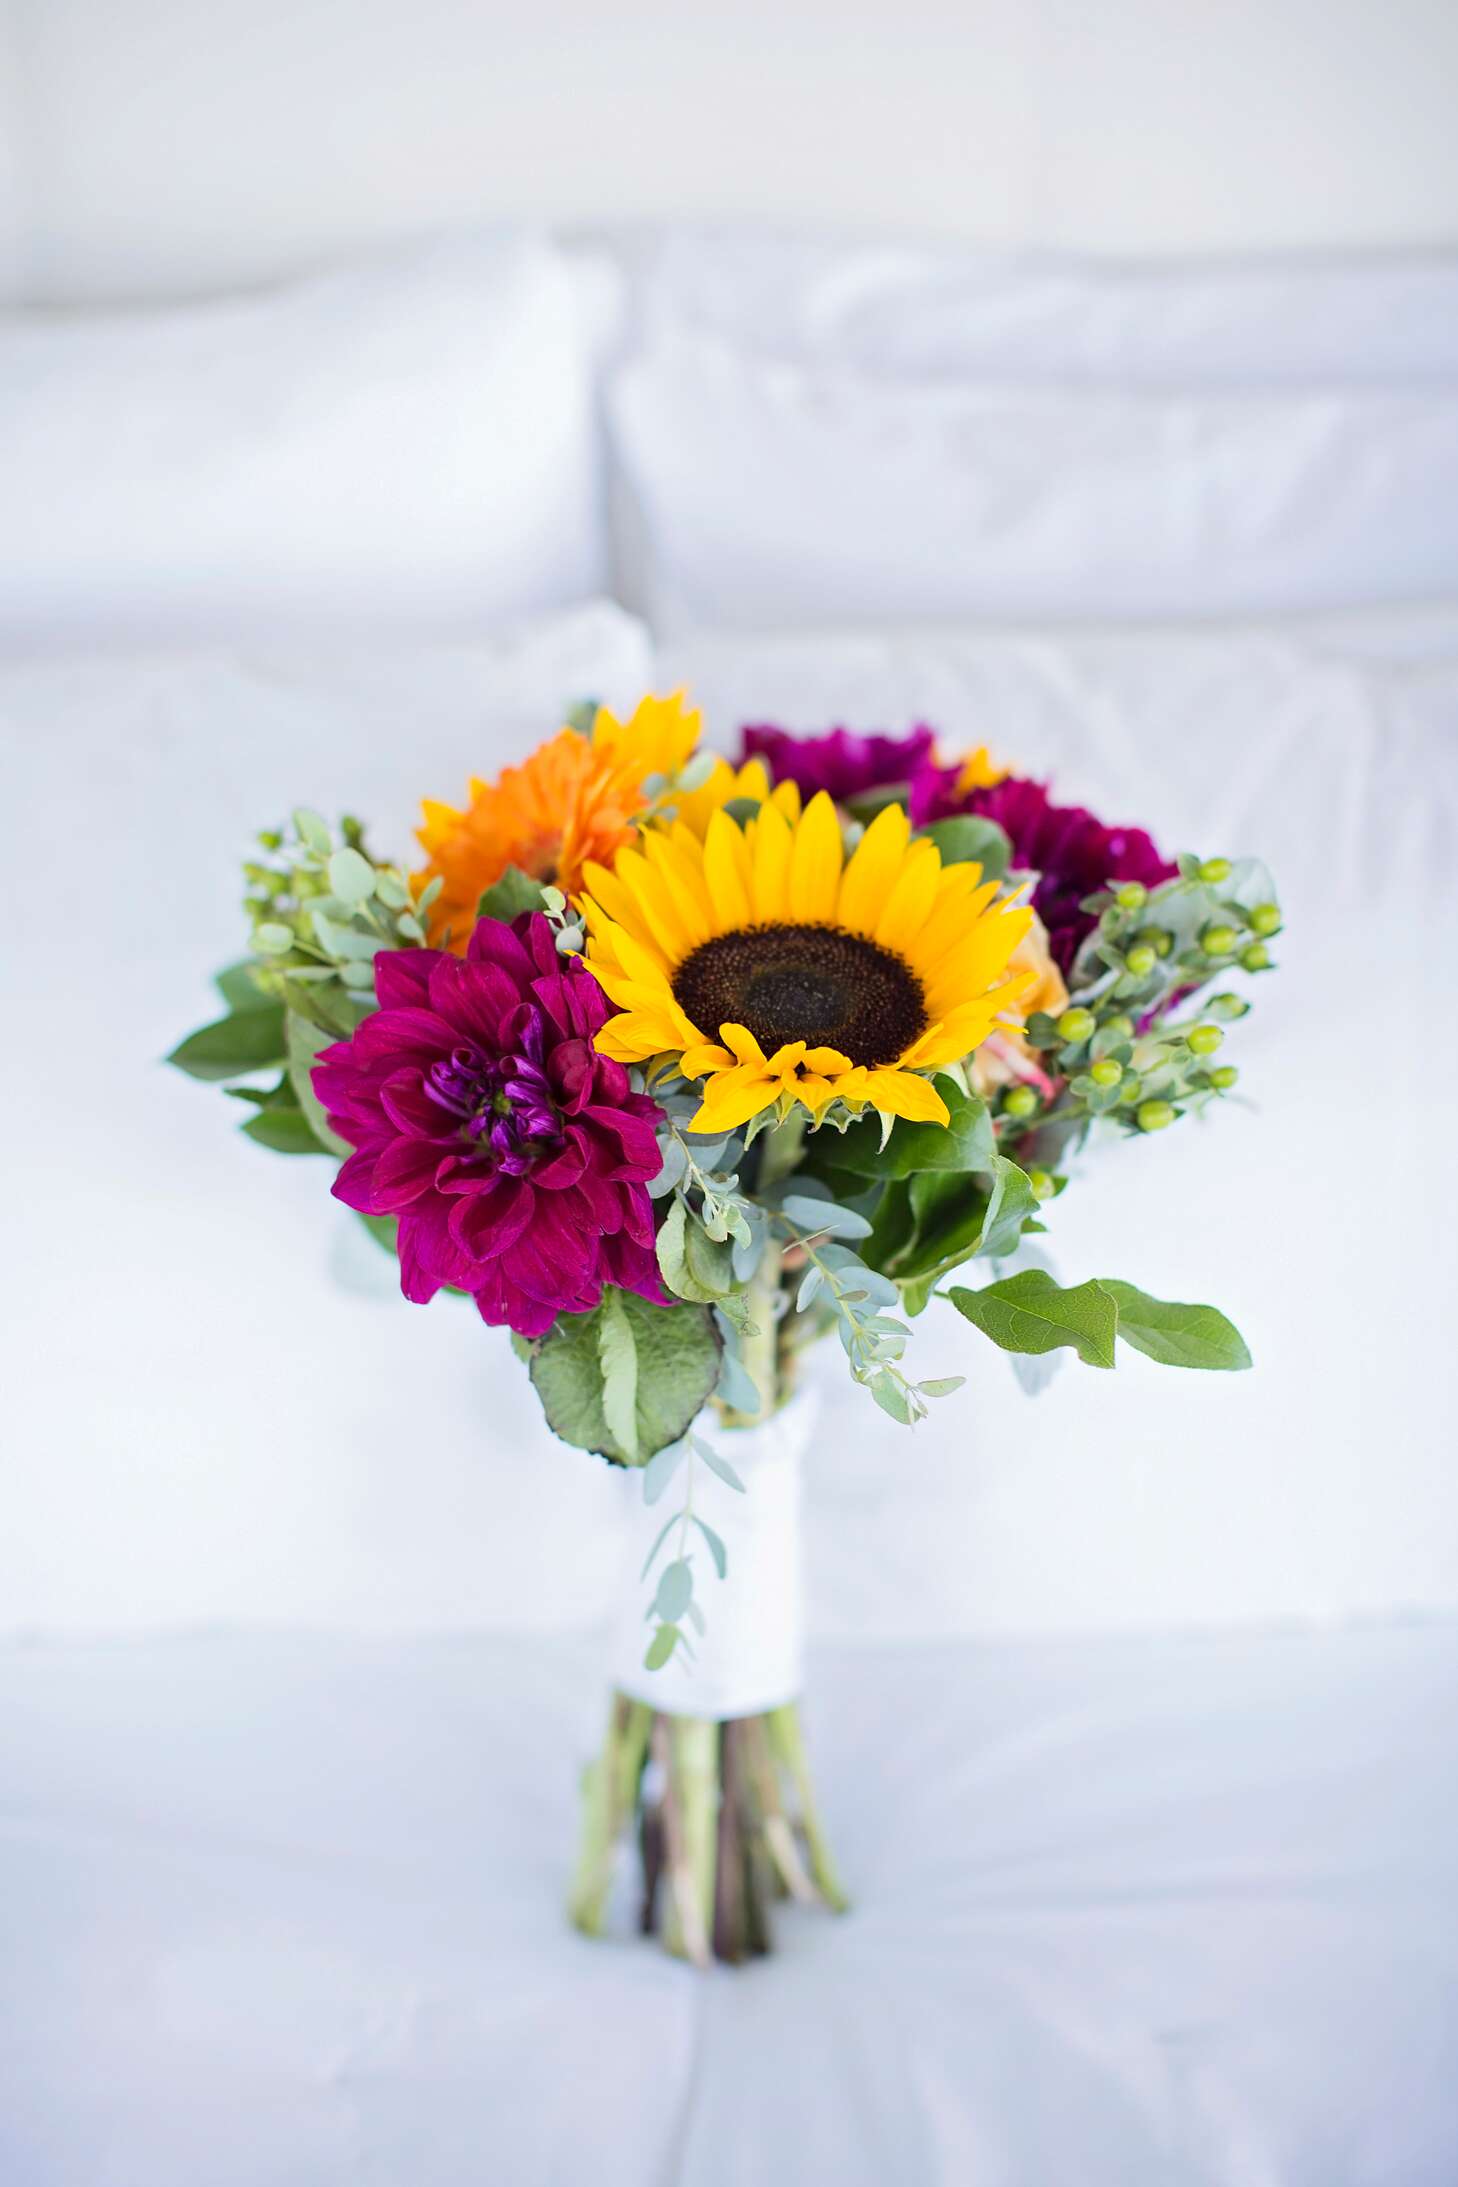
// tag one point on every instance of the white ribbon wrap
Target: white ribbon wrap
(750, 1656)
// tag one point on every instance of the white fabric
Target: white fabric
(262, 1426)
(750, 1656)
(916, 311)
(409, 442)
(286, 1912)
(814, 432)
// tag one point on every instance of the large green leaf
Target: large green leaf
(964, 1142)
(283, 1131)
(1013, 1202)
(231, 1047)
(676, 1352)
(304, 1042)
(967, 836)
(1177, 1335)
(239, 989)
(1030, 1313)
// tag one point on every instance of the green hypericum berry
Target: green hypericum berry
(1140, 961)
(1076, 1024)
(1041, 1183)
(1224, 1077)
(1122, 1027)
(1266, 919)
(1230, 1006)
(1212, 871)
(1154, 1115)
(1106, 1073)
(1204, 1039)
(1256, 957)
(1019, 1101)
(1131, 895)
(1157, 938)
(1131, 1091)
(1218, 941)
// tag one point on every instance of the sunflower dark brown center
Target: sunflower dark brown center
(811, 983)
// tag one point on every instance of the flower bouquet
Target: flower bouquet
(675, 1066)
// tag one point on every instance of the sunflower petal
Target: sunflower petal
(725, 873)
(770, 850)
(902, 1093)
(871, 874)
(732, 1098)
(816, 858)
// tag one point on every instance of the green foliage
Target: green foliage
(1177, 1335)
(965, 1143)
(232, 1047)
(1029, 1312)
(304, 1042)
(968, 837)
(667, 1357)
(283, 1131)
(507, 898)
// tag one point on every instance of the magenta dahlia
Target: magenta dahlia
(846, 762)
(515, 1156)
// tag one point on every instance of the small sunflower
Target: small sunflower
(764, 961)
(576, 798)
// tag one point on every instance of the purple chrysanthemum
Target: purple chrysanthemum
(842, 761)
(514, 1155)
(1071, 851)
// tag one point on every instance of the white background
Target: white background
(154, 146)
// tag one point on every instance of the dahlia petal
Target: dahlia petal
(403, 1171)
(355, 1183)
(409, 1107)
(494, 943)
(402, 977)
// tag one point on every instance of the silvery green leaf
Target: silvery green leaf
(675, 1590)
(737, 1386)
(429, 894)
(311, 829)
(810, 1283)
(553, 901)
(391, 890)
(697, 771)
(717, 1463)
(661, 1647)
(357, 974)
(569, 941)
(351, 876)
(717, 1550)
(408, 925)
(660, 1470)
(890, 1395)
(944, 1385)
(697, 1619)
(273, 939)
(823, 1215)
(707, 1153)
(671, 1174)
(660, 1537)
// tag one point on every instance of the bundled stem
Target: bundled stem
(723, 1813)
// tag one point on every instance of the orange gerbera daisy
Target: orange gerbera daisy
(575, 799)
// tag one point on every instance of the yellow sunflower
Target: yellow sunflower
(764, 961)
(575, 798)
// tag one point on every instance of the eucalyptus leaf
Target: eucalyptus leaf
(660, 1470)
(675, 1591)
(351, 876)
(661, 1647)
(717, 1550)
(717, 1463)
(812, 1216)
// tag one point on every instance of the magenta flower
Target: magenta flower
(514, 1155)
(842, 761)
(1073, 854)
